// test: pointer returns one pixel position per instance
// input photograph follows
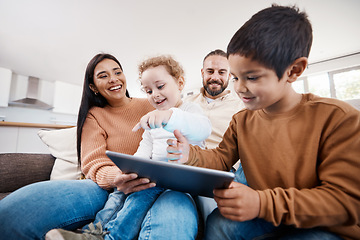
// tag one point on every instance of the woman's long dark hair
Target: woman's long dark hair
(89, 99)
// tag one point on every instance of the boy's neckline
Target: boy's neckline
(284, 114)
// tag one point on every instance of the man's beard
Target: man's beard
(215, 92)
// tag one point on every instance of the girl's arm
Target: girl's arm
(190, 121)
(146, 146)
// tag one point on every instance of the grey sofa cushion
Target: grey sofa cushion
(20, 169)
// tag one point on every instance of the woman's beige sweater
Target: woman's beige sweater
(109, 128)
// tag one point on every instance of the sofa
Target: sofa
(20, 169)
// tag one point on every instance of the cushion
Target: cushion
(20, 169)
(62, 145)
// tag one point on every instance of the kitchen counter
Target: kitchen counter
(33, 125)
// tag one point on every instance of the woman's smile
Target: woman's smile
(115, 88)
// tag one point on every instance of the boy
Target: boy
(300, 153)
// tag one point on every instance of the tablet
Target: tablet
(184, 178)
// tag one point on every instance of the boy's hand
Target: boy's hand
(238, 202)
(153, 119)
(178, 150)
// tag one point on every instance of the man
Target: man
(218, 103)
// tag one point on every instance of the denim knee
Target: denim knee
(173, 216)
(219, 227)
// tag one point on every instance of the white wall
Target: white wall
(5, 80)
(67, 98)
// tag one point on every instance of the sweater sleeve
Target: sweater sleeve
(94, 162)
(335, 201)
(222, 157)
(191, 123)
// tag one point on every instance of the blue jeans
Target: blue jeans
(219, 227)
(123, 214)
(173, 216)
(30, 212)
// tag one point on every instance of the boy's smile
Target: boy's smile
(260, 88)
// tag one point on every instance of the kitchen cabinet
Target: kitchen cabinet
(23, 138)
(5, 81)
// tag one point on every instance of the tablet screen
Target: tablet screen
(178, 177)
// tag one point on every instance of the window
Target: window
(343, 84)
(347, 84)
(319, 85)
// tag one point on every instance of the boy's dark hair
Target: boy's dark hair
(275, 37)
(217, 52)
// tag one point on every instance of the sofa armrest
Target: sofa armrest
(20, 169)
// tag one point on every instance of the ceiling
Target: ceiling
(54, 39)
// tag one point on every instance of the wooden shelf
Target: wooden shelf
(34, 125)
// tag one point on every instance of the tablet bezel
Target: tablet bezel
(179, 177)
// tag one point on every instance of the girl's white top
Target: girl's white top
(188, 119)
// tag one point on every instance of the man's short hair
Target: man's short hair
(275, 37)
(217, 52)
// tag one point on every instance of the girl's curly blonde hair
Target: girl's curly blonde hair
(172, 66)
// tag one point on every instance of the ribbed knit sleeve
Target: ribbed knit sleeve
(110, 129)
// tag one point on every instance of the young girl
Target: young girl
(162, 78)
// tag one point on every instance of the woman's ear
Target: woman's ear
(297, 68)
(93, 88)
(181, 83)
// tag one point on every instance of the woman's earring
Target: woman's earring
(96, 93)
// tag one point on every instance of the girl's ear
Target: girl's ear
(93, 88)
(181, 83)
(297, 68)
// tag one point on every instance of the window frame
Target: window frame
(330, 77)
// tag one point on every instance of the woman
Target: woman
(106, 117)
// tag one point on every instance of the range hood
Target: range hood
(31, 100)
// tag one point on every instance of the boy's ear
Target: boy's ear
(181, 83)
(297, 68)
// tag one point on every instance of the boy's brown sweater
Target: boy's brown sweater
(305, 164)
(110, 128)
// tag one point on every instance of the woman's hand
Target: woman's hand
(129, 183)
(238, 202)
(153, 119)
